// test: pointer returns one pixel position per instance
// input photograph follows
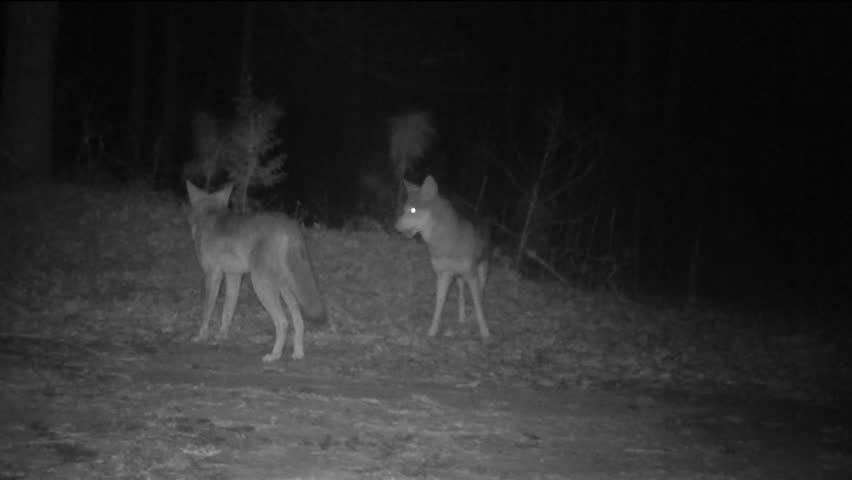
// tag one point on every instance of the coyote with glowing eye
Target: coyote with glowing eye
(458, 244)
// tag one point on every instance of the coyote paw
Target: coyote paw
(200, 337)
(298, 355)
(221, 337)
(271, 357)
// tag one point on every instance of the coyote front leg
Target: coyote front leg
(212, 280)
(443, 284)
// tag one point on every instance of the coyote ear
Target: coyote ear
(194, 193)
(430, 188)
(224, 194)
(227, 189)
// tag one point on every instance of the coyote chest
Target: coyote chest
(229, 252)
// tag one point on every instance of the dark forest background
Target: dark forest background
(704, 151)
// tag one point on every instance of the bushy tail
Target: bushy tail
(305, 284)
(410, 137)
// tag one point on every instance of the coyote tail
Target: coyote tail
(411, 135)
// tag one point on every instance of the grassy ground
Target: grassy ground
(100, 294)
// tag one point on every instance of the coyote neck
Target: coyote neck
(444, 227)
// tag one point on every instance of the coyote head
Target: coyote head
(417, 212)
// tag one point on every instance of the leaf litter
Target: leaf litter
(101, 294)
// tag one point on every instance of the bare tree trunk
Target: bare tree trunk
(28, 84)
(242, 193)
(633, 76)
(138, 86)
(246, 57)
(611, 242)
(695, 267)
(637, 230)
(168, 126)
(677, 56)
(633, 125)
(481, 193)
(525, 231)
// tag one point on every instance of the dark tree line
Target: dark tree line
(28, 87)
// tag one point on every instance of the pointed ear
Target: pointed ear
(429, 188)
(223, 195)
(194, 193)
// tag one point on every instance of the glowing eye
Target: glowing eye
(412, 210)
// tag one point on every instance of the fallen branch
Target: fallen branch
(534, 256)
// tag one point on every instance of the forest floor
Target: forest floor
(100, 295)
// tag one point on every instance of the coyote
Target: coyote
(458, 244)
(270, 247)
